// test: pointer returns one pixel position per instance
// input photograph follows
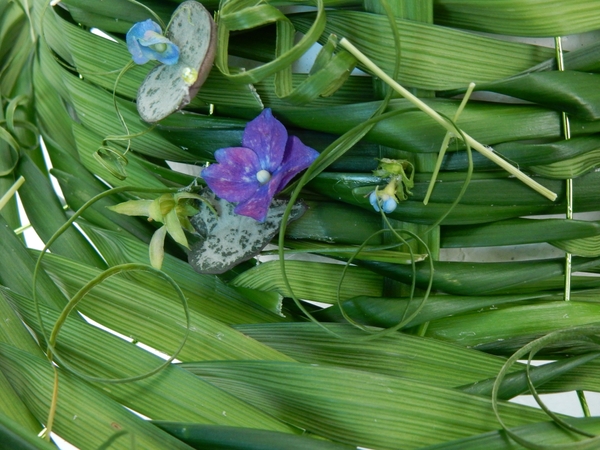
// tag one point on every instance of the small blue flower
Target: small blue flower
(388, 202)
(146, 43)
(254, 173)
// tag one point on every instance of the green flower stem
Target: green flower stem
(445, 143)
(444, 123)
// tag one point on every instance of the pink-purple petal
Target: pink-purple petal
(267, 137)
(234, 177)
(297, 157)
(258, 205)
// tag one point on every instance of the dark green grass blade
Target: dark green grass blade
(208, 437)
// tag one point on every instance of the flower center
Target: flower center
(263, 176)
(160, 47)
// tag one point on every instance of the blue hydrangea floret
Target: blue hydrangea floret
(254, 173)
(146, 42)
(384, 200)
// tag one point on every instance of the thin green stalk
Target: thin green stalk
(13, 189)
(445, 143)
(566, 128)
(444, 123)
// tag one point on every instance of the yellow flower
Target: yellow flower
(173, 210)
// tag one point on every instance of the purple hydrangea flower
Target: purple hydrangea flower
(254, 173)
(145, 42)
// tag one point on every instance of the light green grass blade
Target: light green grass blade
(570, 168)
(385, 312)
(151, 314)
(373, 411)
(425, 360)
(588, 247)
(478, 278)
(322, 277)
(206, 294)
(86, 417)
(16, 272)
(13, 332)
(546, 433)
(47, 215)
(518, 323)
(95, 109)
(171, 394)
(87, 49)
(573, 92)
(88, 143)
(432, 57)
(519, 18)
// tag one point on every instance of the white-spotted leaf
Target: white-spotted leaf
(229, 238)
(168, 88)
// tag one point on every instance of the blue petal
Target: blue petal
(140, 39)
(170, 56)
(267, 137)
(373, 200)
(152, 37)
(389, 205)
(139, 29)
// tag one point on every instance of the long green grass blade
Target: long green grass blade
(575, 93)
(171, 394)
(386, 312)
(80, 189)
(491, 330)
(517, 383)
(519, 18)
(570, 168)
(14, 435)
(472, 278)
(588, 247)
(357, 407)
(411, 130)
(228, 438)
(426, 360)
(16, 272)
(545, 433)
(268, 277)
(528, 154)
(13, 332)
(47, 216)
(433, 57)
(95, 109)
(517, 231)
(98, 419)
(206, 294)
(151, 314)
(484, 200)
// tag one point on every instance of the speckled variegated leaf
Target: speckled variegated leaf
(168, 88)
(230, 238)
